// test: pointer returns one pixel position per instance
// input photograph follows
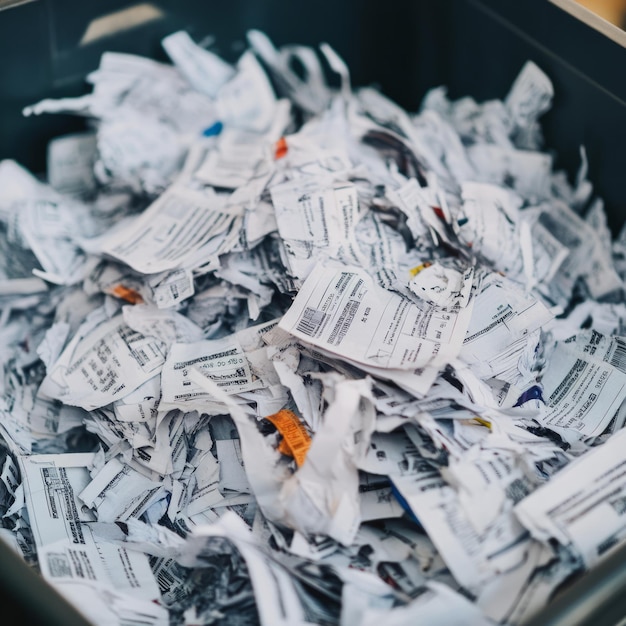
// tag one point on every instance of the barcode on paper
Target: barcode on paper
(311, 321)
(618, 358)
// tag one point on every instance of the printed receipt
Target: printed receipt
(345, 312)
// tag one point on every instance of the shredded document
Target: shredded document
(278, 351)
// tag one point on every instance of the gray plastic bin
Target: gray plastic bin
(474, 47)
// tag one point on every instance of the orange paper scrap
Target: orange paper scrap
(125, 293)
(280, 148)
(296, 440)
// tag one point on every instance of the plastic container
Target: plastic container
(474, 47)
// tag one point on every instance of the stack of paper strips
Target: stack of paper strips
(277, 351)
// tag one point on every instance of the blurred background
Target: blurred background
(402, 47)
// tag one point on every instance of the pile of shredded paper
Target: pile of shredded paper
(277, 351)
